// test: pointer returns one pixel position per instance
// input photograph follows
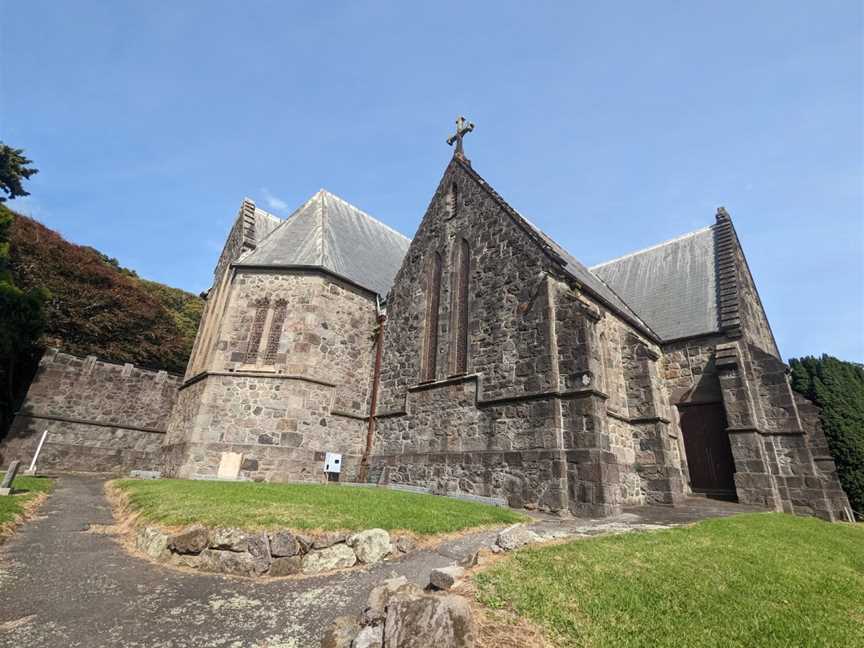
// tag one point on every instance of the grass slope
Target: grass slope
(24, 489)
(752, 580)
(304, 506)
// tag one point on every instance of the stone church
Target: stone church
(479, 358)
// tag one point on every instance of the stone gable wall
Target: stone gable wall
(508, 328)
(528, 422)
(100, 416)
(755, 328)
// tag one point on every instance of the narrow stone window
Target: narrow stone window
(279, 309)
(459, 278)
(257, 332)
(433, 298)
(452, 200)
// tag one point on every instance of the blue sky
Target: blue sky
(613, 126)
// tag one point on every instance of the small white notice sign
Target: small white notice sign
(333, 462)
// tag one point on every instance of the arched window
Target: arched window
(257, 332)
(459, 278)
(433, 298)
(273, 337)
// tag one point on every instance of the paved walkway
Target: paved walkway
(63, 585)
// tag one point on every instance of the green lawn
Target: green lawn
(174, 502)
(764, 579)
(23, 490)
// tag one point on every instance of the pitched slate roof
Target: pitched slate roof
(265, 222)
(330, 233)
(673, 285)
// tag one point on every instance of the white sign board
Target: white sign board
(333, 462)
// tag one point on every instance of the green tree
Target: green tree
(837, 387)
(14, 170)
(21, 313)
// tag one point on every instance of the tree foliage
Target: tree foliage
(837, 387)
(14, 170)
(96, 307)
(22, 318)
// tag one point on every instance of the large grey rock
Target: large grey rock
(445, 577)
(152, 542)
(258, 546)
(376, 604)
(516, 536)
(340, 633)
(232, 562)
(192, 540)
(371, 545)
(228, 539)
(286, 566)
(422, 620)
(336, 557)
(405, 544)
(369, 637)
(188, 561)
(328, 540)
(284, 543)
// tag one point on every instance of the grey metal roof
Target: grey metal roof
(265, 222)
(584, 276)
(673, 285)
(332, 234)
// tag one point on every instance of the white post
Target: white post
(32, 468)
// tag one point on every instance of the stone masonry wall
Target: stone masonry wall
(453, 435)
(100, 416)
(281, 410)
(528, 422)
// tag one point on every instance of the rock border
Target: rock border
(267, 553)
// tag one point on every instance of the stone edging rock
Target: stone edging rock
(399, 613)
(273, 553)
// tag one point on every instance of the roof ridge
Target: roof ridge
(365, 213)
(653, 247)
(320, 195)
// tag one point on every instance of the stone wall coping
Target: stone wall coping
(52, 354)
(255, 374)
(498, 400)
(744, 430)
(66, 419)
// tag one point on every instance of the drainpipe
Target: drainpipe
(373, 399)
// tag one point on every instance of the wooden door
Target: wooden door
(709, 456)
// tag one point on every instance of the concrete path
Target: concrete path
(63, 585)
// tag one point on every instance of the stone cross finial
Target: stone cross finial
(462, 128)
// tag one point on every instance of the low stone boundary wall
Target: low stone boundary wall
(272, 553)
(100, 416)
